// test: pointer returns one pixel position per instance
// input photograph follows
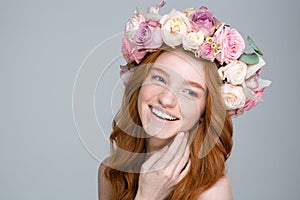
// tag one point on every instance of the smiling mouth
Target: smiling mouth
(162, 115)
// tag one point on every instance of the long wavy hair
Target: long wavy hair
(210, 142)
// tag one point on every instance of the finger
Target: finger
(183, 162)
(180, 152)
(184, 172)
(147, 165)
(165, 160)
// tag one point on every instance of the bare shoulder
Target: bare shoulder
(104, 188)
(221, 190)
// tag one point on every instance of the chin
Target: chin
(162, 131)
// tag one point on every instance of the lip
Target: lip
(163, 111)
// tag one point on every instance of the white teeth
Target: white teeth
(162, 115)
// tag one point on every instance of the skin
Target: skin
(175, 86)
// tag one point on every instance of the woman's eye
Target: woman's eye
(159, 78)
(191, 93)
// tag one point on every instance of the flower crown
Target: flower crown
(199, 32)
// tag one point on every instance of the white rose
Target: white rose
(174, 27)
(192, 40)
(132, 26)
(233, 96)
(235, 72)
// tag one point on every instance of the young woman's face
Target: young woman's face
(173, 95)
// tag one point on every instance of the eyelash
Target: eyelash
(192, 94)
(159, 78)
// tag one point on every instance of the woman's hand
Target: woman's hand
(164, 169)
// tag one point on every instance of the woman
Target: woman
(173, 133)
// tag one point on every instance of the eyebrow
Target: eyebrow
(160, 70)
(195, 84)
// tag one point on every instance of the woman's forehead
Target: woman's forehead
(181, 63)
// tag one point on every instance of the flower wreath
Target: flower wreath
(199, 32)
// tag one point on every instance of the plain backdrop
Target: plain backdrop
(44, 44)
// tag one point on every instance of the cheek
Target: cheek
(192, 112)
(148, 93)
(147, 96)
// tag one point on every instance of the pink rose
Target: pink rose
(206, 51)
(236, 112)
(232, 44)
(131, 52)
(203, 20)
(250, 103)
(133, 25)
(148, 36)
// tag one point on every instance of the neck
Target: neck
(155, 144)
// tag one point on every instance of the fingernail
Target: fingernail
(181, 134)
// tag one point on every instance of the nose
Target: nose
(167, 98)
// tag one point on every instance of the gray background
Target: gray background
(44, 43)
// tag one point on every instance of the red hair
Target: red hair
(210, 142)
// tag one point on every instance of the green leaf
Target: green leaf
(253, 45)
(249, 59)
